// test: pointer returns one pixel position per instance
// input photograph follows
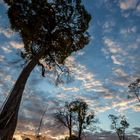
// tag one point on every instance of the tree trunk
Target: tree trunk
(70, 127)
(119, 136)
(79, 134)
(9, 110)
(70, 133)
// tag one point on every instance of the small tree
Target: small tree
(135, 88)
(65, 117)
(83, 119)
(119, 124)
(75, 114)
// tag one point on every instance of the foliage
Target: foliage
(52, 29)
(84, 119)
(134, 88)
(65, 117)
(119, 124)
(75, 114)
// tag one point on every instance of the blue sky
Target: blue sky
(101, 71)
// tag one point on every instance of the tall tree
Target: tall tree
(51, 30)
(119, 124)
(134, 88)
(84, 119)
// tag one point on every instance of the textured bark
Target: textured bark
(9, 110)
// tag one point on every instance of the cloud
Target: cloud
(6, 48)
(116, 60)
(137, 130)
(136, 108)
(128, 30)
(138, 8)
(108, 25)
(16, 45)
(129, 7)
(83, 76)
(1, 57)
(113, 47)
(114, 51)
(120, 72)
(122, 106)
(128, 4)
(6, 32)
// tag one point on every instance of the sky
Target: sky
(101, 72)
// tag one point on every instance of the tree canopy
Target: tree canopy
(119, 124)
(50, 29)
(76, 114)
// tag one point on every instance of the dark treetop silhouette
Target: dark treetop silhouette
(51, 30)
(119, 124)
(65, 117)
(75, 114)
(83, 118)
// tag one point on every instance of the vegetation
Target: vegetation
(65, 117)
(75, 114)
(119, 124)
(83, 119)
(51, 31)
(134, 88)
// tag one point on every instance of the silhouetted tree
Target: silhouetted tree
(84, 119)
(135, 88)
(75, 114)
(51, 30)
(119, 124)
(65, 117)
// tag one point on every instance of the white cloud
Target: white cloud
(1, 57)
(128, 4)
(128, 30)
(138, 8)
(6, 48)
(119, 82)
(84, 77)
(112, 46)
(6, 32)
(16, 45)
(136, 108)
(116, 60)
(108, 25)
(120, 72)
(121, 52)
(72, 89)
